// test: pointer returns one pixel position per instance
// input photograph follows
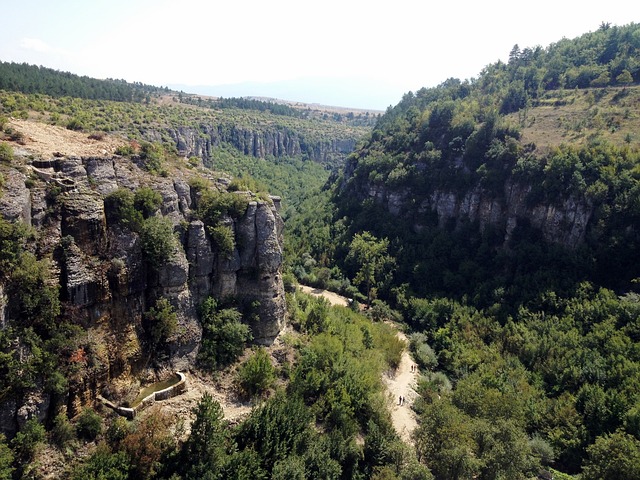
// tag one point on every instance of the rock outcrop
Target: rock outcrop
(260, 143)
(564, 223)
(106, 286)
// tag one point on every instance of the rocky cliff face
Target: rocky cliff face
(564, 223)
(105, 284)
(259, 143)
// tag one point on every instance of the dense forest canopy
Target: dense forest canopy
(25, 78)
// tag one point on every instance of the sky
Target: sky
(351, 53)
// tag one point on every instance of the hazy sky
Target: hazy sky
(353, 53)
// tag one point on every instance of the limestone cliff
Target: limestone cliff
(564, 223)
(106, 285)
(259, 142)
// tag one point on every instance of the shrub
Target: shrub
(117, 432)
(158, 241)
(199, 184)
(62, 432)
(147, 201)
(128, 149)
(152, 156)
(75, 124)
(423, 354)
(97, 136)
(89, 424)
(162, 320)
(103, 464)
(27, 440)
(119, 207)
(215, 205)
(223, 238)
(256, 374)
(6, 152)
(6, 460)
(223, 335)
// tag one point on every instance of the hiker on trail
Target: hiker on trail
(400, 400)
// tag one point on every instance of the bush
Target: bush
(75, 124)
(62, 432)
(103, 464)
(117, 432)
(89, 424)
(128, 150)
(6, 460)
(158, 240)
(6, 152)
(223, 335)
(147, 201)
(119, 207)
(152, 156)
(162, 320)
(256, 374)
(423, 354)
(27, 440)
(97, 136)
(199, 184)
(223, 238)
(213, 206)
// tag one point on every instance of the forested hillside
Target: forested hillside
(499, 217)
(21, 77)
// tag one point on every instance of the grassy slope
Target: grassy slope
(580, 116)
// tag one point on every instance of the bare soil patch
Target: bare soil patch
(45, 140)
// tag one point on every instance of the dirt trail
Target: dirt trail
(334, 298)
(401, 382)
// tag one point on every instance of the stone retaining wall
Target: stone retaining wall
(164, 394)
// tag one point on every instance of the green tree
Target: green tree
(6, 459)
(103, 465)
(276, 429)
(444, 442)
(89, 424)
(256, 374)
(624, 78)
(119, 207)
(223, 238)
(28, 440)
(223, 335)
(204, 450)
(374, 264)
(62, 432)
(147, 201)
(162, 320)
(614, 456)
(158, 240)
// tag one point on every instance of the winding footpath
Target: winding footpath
(400, 382)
